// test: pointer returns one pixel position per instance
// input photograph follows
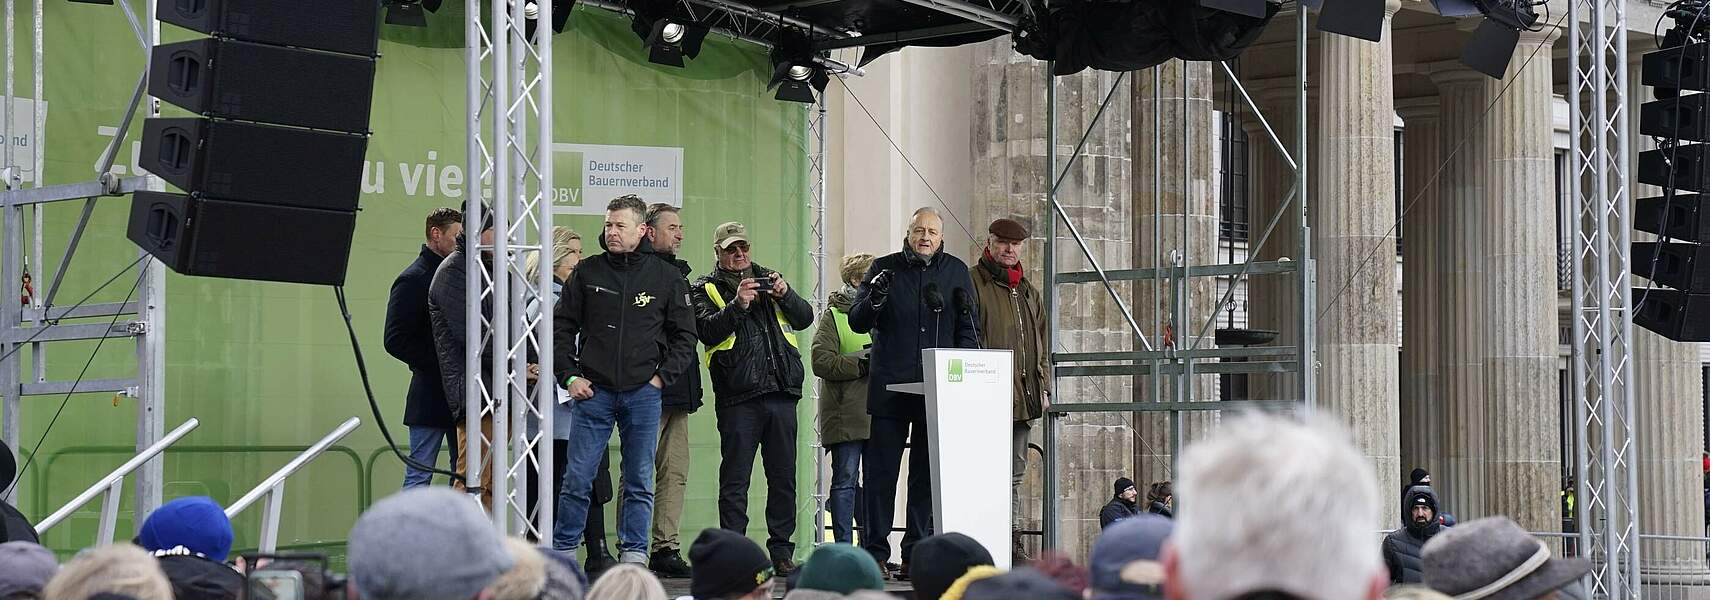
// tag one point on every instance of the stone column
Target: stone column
(1460, 482)
(1422, 413)
(1519, 296)
(1668, 396)
(1355, 210)
(1172, 191)
(1273, 300)
(1010, 179)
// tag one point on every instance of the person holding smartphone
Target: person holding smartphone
(748, 316)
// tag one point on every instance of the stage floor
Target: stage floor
(678, 588)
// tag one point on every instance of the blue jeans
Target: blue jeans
(636, 415)
(424, 449)
(845, 473)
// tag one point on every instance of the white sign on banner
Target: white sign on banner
(22, 141)
(587, 176)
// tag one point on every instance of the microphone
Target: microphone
(965, 308)
(934, 299)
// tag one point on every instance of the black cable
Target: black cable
(85, 370)
(79, 304)
(368, 390)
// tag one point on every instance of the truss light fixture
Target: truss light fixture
(668, 41)
(1493, 43)
(405, 12)
(798, 81)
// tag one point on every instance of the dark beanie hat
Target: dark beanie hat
(840, 568)
(1122, 485)
(1419, 474)
(939, 560)
(725, 563)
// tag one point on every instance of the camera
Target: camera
(765, 282)
(291, 577)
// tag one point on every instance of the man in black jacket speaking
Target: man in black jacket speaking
(747, 316)
(623, 331)
(909, 301)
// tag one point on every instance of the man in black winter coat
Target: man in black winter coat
(409, 338)
(623, 332)
(447, 309)
(748, 317)
(1403, 547)
(907, 302)
(678, 401)
(1124, 505)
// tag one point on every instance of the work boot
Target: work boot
(668, 564)
(599, 560)
(782, 568)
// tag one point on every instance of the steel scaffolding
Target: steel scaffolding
(509, 93)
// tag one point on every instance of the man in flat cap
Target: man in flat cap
(1012, 317)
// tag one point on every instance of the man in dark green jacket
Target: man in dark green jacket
(1012, 317)
(747, 316)
(840, 358)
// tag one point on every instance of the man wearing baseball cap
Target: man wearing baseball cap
(747, 317)
(1012, 317)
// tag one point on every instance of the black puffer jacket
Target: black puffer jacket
(762, 361)
(632, 314)
(903, 325)
(1118, 509)
(1403, 547)
(196, 578)
(409, 338)
(685, 394)
(447, 308)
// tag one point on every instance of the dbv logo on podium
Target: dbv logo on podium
(956, 370)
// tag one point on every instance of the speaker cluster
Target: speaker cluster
(271, 170)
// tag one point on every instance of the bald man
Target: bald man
(914, 299)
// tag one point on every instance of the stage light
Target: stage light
(798, 82)
(1492, 44)
(405, 12)
(669, 41)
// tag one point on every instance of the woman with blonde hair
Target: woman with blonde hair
(627, 582)
(116, 569)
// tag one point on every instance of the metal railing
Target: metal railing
(112, 485)
(273, 488)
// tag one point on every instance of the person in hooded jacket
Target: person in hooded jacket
(1125, 504)
(841, 359)
(1403, 548)
(748, 316)
(191, 538)
(920, 297)
(677, 402)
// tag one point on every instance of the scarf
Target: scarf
(1013, 274)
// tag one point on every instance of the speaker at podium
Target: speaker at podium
(969, 423)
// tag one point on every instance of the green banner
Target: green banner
(267, 367)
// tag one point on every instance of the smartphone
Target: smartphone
(765, 283)
(279, 584)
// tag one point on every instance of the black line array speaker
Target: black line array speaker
(243, 240)
(1683, 215)
(348, 26)
(1674, 314)
(254, 82)
(272, 169)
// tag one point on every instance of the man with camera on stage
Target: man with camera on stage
(623, 331)
(747, 316)
(1012, 317)
(914, 299)
(680, 399)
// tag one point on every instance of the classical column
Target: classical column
(1175, 214)
(1668, 394)
(1422, 413)
(1356, 286)
(1460, 481)
(1273, 301)
(1519, 296)
(1010, 179)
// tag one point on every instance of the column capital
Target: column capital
(1450, 72)
(1421, 108)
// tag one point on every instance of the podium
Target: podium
(969, 420)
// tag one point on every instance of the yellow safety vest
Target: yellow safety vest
(730, 342)
(847, 340)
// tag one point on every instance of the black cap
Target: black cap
(725, 563)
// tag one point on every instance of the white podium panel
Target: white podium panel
(969, 418)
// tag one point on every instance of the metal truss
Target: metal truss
(1162, 361)
(1604, 416)
(816, 205)
(509, 92)
(40, 321)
